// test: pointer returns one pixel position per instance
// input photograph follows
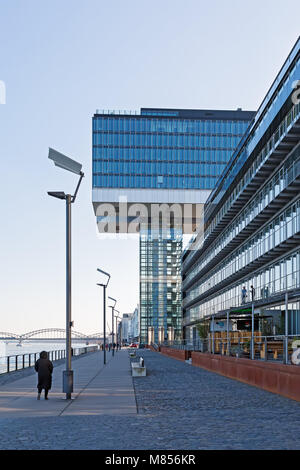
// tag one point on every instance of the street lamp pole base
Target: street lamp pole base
(68, 379)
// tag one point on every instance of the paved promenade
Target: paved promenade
(177, 406)
(97, 390)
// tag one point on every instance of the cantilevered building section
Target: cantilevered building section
(152, 172)
(249, 252)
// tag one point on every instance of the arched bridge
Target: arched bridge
(49, 334)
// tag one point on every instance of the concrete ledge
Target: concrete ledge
(277, 378)
(137, 370)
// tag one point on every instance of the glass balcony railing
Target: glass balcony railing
(261, 158)
(280, 181)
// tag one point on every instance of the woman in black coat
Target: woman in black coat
(44, 368)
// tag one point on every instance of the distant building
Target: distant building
(125, 327)
(130, 326)
(135, 325)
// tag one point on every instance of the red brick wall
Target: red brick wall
(148, 346)
(175, 353)
(277, 378)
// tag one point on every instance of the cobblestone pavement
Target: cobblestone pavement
(180, 407)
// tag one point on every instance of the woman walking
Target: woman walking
(44, 368)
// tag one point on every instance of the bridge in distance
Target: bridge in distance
(50, 334)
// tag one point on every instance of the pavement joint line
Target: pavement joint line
(135, 397)
(85, 387)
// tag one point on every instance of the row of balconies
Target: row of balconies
(278, 154)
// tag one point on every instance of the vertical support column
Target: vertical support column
(252, 333)
(170, 334)
(266, 349)
(112, 331)
(161, 334)
(228, 346)
(213, 334)
(286, 345)
(150, 335)
(116, 334)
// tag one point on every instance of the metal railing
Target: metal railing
(22, 361)
(276, 348)
(118, 112)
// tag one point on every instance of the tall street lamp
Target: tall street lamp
(117, 317)
(104, 285)
(66, 163)
(112, 323)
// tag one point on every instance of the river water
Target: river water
(12, 348)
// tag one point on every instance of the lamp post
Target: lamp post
(112, 323)
(104, 311)
(252, 332)
(66, 163)
(117, 317)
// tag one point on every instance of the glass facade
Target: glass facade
(273, 279)
(160, 281)
(163, 149)
(283, 226)
(157, 152)
(279, 98)
(252, 218)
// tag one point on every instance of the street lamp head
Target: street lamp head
(58, 194)
(105, 274)
(62, 161)
(114, 300)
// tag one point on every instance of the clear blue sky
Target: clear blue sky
(60, 60)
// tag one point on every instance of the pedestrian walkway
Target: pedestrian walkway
(97, 390)
(179, 407)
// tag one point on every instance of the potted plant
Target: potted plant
(203, 331)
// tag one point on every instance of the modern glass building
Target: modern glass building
(250, 251)
(164, 149)
(159, 156)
